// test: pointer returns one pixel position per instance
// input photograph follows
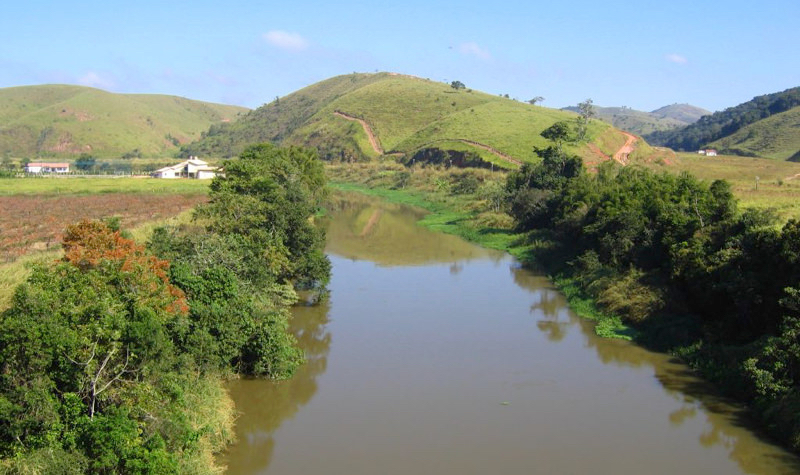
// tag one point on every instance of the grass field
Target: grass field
(77, 185)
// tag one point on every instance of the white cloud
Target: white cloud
(676, 58)
(92, 79)
(473, 49)
(286, 40)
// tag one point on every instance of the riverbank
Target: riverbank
(737, 369)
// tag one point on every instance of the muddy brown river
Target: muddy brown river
(434, 356)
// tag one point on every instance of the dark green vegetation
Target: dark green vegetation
(405, 114)
(112, 359)
(64, 121)
(642, 123)
(678, 262)
(776, 138)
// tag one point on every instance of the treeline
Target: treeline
(721, 124)
(112, 359)
(676, 259)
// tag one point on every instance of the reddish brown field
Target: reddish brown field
(29, 223)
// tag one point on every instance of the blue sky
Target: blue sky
(643, 55)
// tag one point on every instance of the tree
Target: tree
(557, 133)
(268, 198)
(85, 337)
(85, 162)
(535, 100)
(7, 164)
(457, 85)
(586, 112)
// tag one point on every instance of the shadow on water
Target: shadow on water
(270, 403)
(729, 424)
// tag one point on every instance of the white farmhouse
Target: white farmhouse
(192, 168)
(44, 167)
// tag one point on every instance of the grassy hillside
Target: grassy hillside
(405, 114)
(64, 121)
(641, 123)
(685, 113)
(719, 125)
(273, 122)
(777, 137)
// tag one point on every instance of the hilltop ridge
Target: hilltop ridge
(674, 116)
(63, 121)
(407, 116)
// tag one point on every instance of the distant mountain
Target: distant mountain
(641, 123)
(736, 130)
(407, 116)
(684, 113)
(64, 121)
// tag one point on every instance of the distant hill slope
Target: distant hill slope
(64, 121)
(777, 136)
(685, 113)
(713, 128)
(641, 123)
(406, 114)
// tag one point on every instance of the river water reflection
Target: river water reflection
(434, 356)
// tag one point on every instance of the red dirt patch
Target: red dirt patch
(31, 223)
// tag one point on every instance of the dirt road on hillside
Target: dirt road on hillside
(376, 145)
(622, 154)
(373, 139)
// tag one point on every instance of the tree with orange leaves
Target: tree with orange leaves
(88, 337)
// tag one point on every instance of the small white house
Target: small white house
(44, 167)
(192, 168)
(710, 152)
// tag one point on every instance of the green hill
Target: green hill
(684, 113)
(407, 115)
(712, 129)
(64, 121)
(641, 123)
(777, 136)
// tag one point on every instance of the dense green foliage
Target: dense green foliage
(725, 123)
(89, 364)
(110, 359)
(674, 257)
